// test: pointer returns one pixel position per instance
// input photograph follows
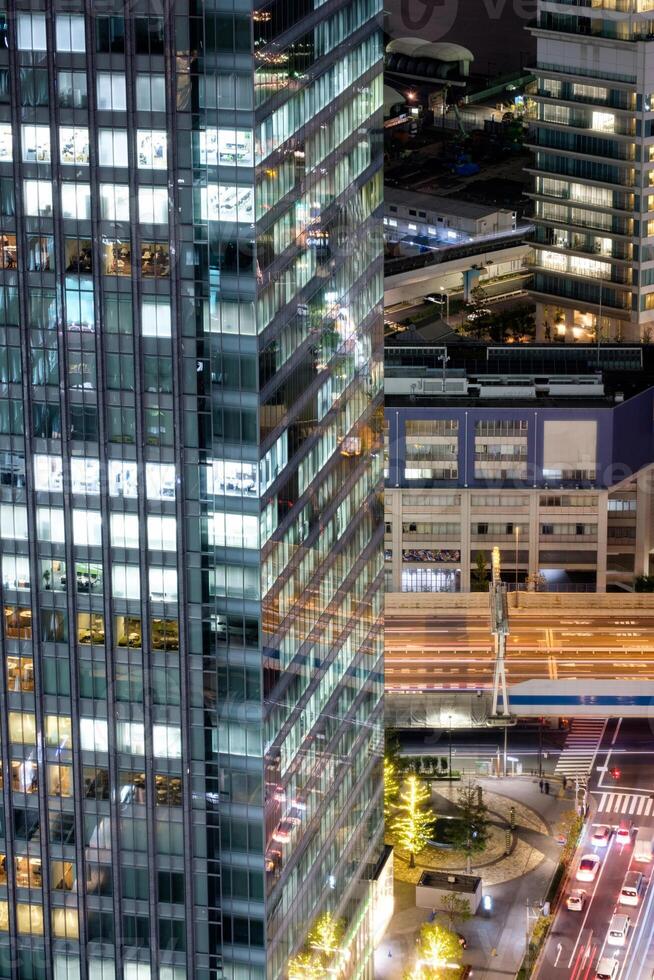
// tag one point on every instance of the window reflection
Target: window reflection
(128, 631)
(90, 628)
(96, 784)
(155, 259)
(18, 623)
(24, 776)
(40, 253)
(164, 634)
(117, 258)
(79, 255)
(28, 872)
(20, 674)
(3, 869)
(7, 251)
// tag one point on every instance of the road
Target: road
(442, 648)
(577, 940)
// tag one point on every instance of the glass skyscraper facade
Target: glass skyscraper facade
(190, 486)
(594, 170)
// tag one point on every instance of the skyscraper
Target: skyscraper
(190, 479)
(594, 170)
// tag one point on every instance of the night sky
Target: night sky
(494, 30)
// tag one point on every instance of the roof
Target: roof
(450, 882)
(415, 47)
(445, 205)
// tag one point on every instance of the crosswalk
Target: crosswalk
(581, 745)
(627, 804)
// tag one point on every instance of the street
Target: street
(621, 788)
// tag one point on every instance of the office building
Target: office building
(190, 479)
(594, 170)
(537, 450)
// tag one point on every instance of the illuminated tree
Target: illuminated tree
(439, 950)
(305, 966)
(326, 935)
(414, 822)
(391, 787)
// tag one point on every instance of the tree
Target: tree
(644, 583)
(470, 829)
(479, 579)
(438, 950)
(414, 822)
(391, 787)
(479, 316)
(305, 966)
(326, 935)
(455, 908)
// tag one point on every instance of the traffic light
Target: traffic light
(615, 772)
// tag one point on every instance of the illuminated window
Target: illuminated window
(160, 481)
(65, 924)
(124, 530)
(162, 533)
(28, 872)
(58, 734)
(24, 776)
(60, 780)
(73, 145)
(128, 631)
(90, 628)
(166, 742)
(48, 473)
(37, 198)
(29, 919)
(85, 475)
(93, 736)
(151, 149)
(123, 481)
(22, 728)
(20, 674)
(62, 875)
(36, 144)
(130, 737)
(87, 527)
(164, 634)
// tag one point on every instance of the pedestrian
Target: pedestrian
(389, 953)
(565, 782)
(547, 787)
(541, 785)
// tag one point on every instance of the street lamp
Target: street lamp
(445, 296)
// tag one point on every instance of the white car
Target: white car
(601, 835)
(576, 900)
(588, 867)
(623, 835)
(607, 968)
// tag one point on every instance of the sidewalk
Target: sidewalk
(496, 942)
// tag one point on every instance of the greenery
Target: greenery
(569, 825)
(455, 908)
(316, 960)
(470, 831)
(438, 951)
(414, 821)
(644, 583)
(478, 576)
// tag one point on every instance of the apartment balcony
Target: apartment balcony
(617, 101)
(609, 126)
(620, 277)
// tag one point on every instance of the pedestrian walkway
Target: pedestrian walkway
(629, 804)
(580, 748)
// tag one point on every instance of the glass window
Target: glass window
(37, 197)
(71, 86)
(87, 527)
(149, 35)
(163, 584)
(70, 32)
(60, 780)
(13, 522)
(18, 622)
(117, 255)
(6, 145)
(36, 144)
(29, 919)
(114, 202)
(20, 674)
(151, 93)
(162, 533)
(58, 731)
(34, 86)
(227, 202)
(155, 260)
(111, 91)
(88, 577)
(230, 147)
(24, 776)
(73, 145)
(151, 149)
(128, 631)
(50, 524)
(112, 147)
(160, 481)
(76, 201)
(93, 735)
(110, 35)
(22, 728)
(124, 530)
(155, 318)
(48, 473)
(123, 480)
(166, 742)
(16, 572)
(40, 254)
(90, 629)
(65, 923)
(130, 737)
(78, 256)
(153, 205)
(31, 32)
(164, 634)
(85, 475)
(126, 581)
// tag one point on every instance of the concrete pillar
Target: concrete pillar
(644, 503)
(602, 536)
(533, 538)
(466, 559)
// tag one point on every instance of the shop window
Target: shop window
(128, 631)
(90, 628)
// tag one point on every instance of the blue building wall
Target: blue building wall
(624, 441)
